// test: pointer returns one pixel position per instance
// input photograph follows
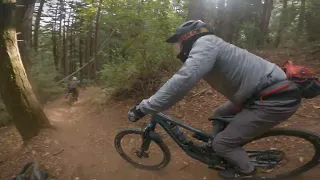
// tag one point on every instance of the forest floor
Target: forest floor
(82, 146)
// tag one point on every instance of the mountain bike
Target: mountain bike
(72, 97)
(267, 151)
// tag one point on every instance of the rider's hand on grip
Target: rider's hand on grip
(135, 114)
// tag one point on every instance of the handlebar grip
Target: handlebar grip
(132, 117)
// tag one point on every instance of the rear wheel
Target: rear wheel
(284, 153)
(72, 98)
(132, 139)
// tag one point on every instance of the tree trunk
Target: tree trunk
(89, 49)
(80, 56)
(96, 34)
(24, 16)
(301, 17)
(15, 89)
(54, 47)
(86, 56)
(23, 25)
(196, 10)
(55, 41)
(64, 49)
(220, 17)
(268, 16)
(71, 50)
(228, 27)
(37, 25)
(282, 23)
(60, 44)
(265, 20)
(263, 17)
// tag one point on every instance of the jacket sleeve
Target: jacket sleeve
(200, 62)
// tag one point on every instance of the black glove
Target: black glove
(135, 114)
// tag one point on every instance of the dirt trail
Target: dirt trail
(86, 137)
(82, 147)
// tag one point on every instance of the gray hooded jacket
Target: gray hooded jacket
(230, 70)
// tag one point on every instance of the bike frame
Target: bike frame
(213, 160)
(164, 120)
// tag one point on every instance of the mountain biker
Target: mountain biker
(259, 94)
(73, 86)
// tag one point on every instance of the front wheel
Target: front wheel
(284, 153)
(132, 139)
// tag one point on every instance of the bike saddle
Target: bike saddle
(222, 119)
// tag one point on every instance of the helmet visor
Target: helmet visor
(173, 39)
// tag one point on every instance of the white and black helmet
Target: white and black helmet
(187, 33)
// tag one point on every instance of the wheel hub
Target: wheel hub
(141, 154)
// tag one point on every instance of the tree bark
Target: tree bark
(86, 55)
(24, 16)
(60, 44)
(220, 17)
(268, 16)
(37, 25)
(64, 49)
(80, 55)
(96, 37)
(228, 27)
(66, 46)
(54, 47)
(263, 17)
(196, 10)
(54, 40)
(15, 88)
(282, 23)
(301, 17)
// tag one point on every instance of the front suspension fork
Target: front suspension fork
(146, 139)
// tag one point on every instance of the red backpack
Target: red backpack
(306, 79)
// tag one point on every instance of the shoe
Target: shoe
(233, 174)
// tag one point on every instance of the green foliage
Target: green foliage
(45, 75)
(139, 57)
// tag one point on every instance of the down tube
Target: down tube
(165, 126)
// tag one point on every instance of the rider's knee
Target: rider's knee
(220, 144)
